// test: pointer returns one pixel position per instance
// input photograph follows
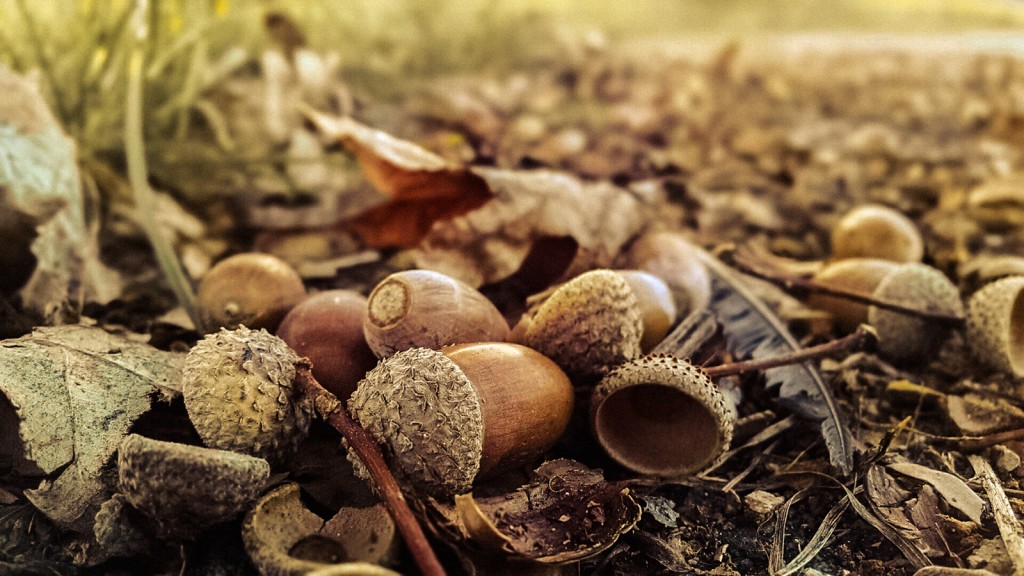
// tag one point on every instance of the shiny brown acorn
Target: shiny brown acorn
(447, 418)
(662, 416)
(876, 231)
(426, 309)
(251, 289)
(671, 257)
(327, 328)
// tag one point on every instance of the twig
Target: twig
(856, 341)
(365, 447)
(1006, 520)
(793, 284)
(135, 152)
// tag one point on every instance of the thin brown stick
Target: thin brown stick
(799, 284)
(359, 440)
(856, 341)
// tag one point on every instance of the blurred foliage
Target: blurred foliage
(386, 47)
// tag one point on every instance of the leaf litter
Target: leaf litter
(756, 151)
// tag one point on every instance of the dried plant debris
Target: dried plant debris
(74, 392)
(51, 252)
(478, 224)
(566, 513)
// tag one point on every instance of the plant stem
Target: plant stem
(808, 286)
(135, 152)
(365, 447)
(862, 337)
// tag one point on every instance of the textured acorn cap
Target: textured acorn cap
(589, 324)
(420, 406)
(661, 415)
(903, 337)
(186, 489)
(995, 325)
(239, 392)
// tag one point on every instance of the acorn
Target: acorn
(906, 338)
(671, 257)
(876, 231)
(327, 328)
(995, 325)
(860, 275)
(251, 289)
(187, 489)
(239, 392)
(426, 309)
(589, 324)
(467, 412)
(662, 416)
(657, 306)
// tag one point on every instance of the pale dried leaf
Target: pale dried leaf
(74, 392)
(953, 490)
(39, 180)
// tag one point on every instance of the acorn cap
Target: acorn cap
(423, 410)
(185, 489)
(661, 415)
(903, 337)
(239, 392)
(995, 325)
(589, 324)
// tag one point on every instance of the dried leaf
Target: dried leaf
(953, 490)
(567, 513)
(752, 330)
(40, 187)
(422, 187)
(74, 392)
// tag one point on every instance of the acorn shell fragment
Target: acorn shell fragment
(903, 337)
(662, 416)
(239, 392)
(589, 324)
(187, 489)
(995, 325)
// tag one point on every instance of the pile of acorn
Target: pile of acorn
(454, 395)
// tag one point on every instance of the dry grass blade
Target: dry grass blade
(817, 543)
(777, 554)
(1006, 520)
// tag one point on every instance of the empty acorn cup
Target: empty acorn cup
(662, 416)
(995, 325)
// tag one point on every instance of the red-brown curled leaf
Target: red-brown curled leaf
(422, 187)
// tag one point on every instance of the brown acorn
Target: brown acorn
(855, 274)
(426, 309)
(589, 324)
(446, 418)
(327, 328)
(876, 231)
(671, 257)
(662, 416)
(995, 325)
(251, 289)
(657, 306)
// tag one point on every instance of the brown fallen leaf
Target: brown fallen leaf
(422, 187)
